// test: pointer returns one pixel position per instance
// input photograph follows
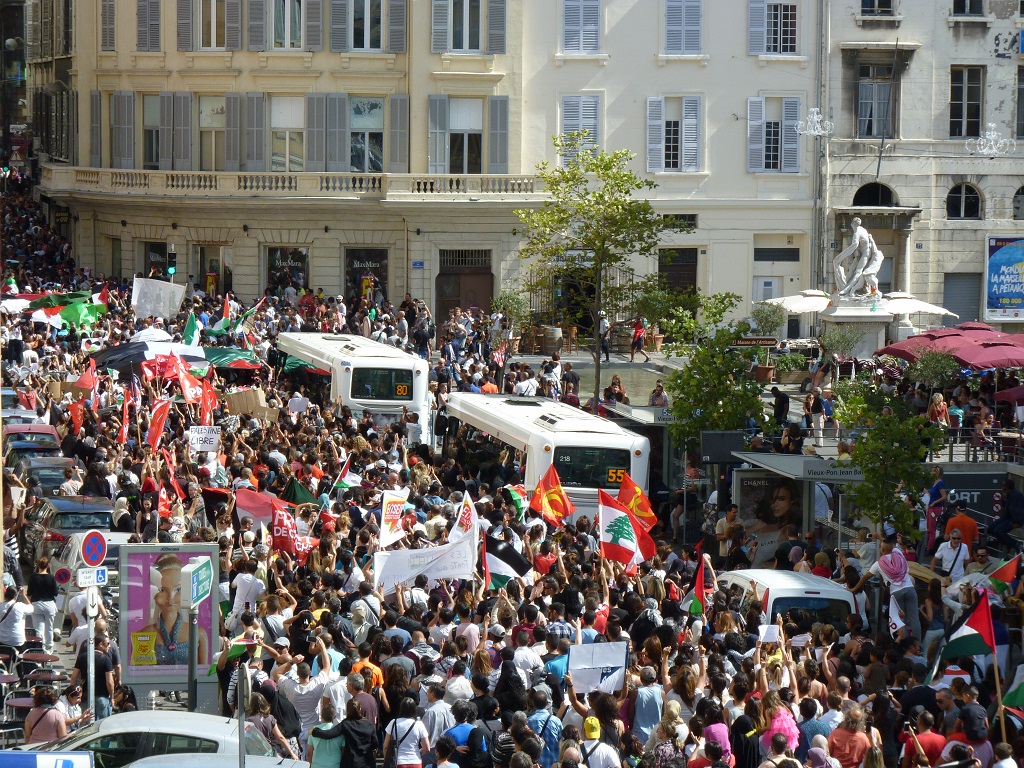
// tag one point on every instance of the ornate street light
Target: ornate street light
(990, 143)
(814, 125)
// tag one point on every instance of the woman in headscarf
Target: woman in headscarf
(360, 625)
(122, 517)
(287, 718)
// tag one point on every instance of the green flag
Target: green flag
(296, 493)
(60, 299)
(82, 313)
(191, 334)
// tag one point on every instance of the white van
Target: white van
(826, 601)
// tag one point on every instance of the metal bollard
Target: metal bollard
(151, 699)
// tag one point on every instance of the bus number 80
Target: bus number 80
(401, 390)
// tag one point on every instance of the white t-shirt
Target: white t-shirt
(408, 748)
(305, 698)
(12, 628)
(597, 754)
(248, 589)
(953, 560)
(906, 583)
(339, 697)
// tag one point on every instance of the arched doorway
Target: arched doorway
(875, 195)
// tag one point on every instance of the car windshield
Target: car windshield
(81, 521)
(50, 477)
(36, 437)
(832, 612)
(81, 734)
(255, 744)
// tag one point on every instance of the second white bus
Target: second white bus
(588, 452)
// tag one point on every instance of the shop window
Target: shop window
(287, 267)
(366, 273)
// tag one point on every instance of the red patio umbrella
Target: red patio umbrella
(912, 348)
(983, 355)
(1011, 395)
(974, 325)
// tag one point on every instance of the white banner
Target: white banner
(392, 507)
(401, 566)
(598, 666)
(896, 622)
(204, 439)
(155, 298)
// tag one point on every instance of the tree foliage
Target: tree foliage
(769, 319)
(715, 389)
(841, 339)
(514, 305)
(583, 238)
(935, 370)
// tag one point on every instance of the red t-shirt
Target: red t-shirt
(543, 563)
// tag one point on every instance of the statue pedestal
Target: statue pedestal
(863, 316)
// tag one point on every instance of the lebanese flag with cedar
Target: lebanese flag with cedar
(634, 499)
(623, 537)
(550, 499)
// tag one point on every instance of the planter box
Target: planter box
(791, 377)
(764, 373)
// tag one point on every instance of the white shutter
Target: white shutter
(590, 119)
(691, 26)
(339, 26)
(571, 110)
(437, 145)
(790, 138)
(590, 39)
(673, 27)
(572, 26)
(655, 134)
(439, 26)
(755, 134)
(691, 135)
(757, 26)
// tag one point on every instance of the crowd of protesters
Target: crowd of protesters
(464, 672)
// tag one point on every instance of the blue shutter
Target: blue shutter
(690, 144)
(590, 27)
(439, 26)
(790, 138)
(572, 26)
(398, 133)
(316, 130)
(692, 13)
(233, 132)
(571, 120)
(337, 137)
(437, 143)
(314, 25)
(233, 25)
(257, 25)
(398, 19)
(497, 134)
(339, 26)
(673, 27)
(757, 26)
(655, 134)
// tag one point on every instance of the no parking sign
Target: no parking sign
(94, 548)
(62, 576)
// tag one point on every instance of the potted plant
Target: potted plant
(791, 369)
(768, 319)
(515, 306)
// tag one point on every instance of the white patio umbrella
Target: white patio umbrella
(902, 303)
(806, 301)
(151, 334)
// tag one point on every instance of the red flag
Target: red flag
(287, 539)
(122, 436)
(170, 470)
(163, 506)
(208, 401)
(551, 500)
(156, 423)
(27, 399)
(190, 386)
(633, 498)
(1006, 573)
(88, 379)
(77, 411)
(258, 506)
(698, 588)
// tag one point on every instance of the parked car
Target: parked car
(827, 601)
(17, 450)
(20, 416)
(8, 398)
(53, 520)
(33, 433)
(218, 761)
(123, 739)
(48, 470)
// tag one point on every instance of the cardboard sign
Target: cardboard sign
(245, 400)
(204, 439)
(269, 415)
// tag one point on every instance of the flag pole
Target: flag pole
(999, 695)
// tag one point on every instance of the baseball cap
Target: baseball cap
(497, 631)
(592, 728)
(282, 642)
(381, 464)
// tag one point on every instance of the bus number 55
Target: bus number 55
(616, 475)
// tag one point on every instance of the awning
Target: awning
(642, 414)
(810, 468)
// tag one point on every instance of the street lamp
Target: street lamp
(820, 129)
(990, 143)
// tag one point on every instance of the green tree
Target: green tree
(935, 370)
(769, 319)
(585, 234)
(715, 389)
(621, 529)
(891, 455)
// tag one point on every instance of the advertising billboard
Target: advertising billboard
(1004, 278)
(768, 504)
(154, 623)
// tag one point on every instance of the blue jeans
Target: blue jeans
(1001, 527)
(103, 707)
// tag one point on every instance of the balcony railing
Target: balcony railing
(58, 179)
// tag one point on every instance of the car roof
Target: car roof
(39, 462)
(192, 723)
(79, 503)
(793, 580)
(24, 445)
(18, 429)
(220, 760)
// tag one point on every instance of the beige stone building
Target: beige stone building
(330, 140)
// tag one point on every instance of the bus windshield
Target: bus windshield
(585, 467)
(381, 384)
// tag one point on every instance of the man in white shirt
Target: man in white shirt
(952, 556)
(12, 618)
(340, 692)
(595, 753)
(526, 659)
(438, 717)
(305, 693)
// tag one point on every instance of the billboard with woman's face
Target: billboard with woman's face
(768, 505)
(154, 630)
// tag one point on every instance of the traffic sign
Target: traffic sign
(91, 577)
(199, 575)
(62, 576)
(94, 548)
(756, 341)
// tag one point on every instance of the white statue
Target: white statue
(866, 261)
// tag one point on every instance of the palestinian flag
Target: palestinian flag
(52, 300)
(296, 493)
(292, 364)
(972, 635)
(223, 325)
(623, 537)
(502, 563)
(1014, 696)
(238, 648)
(81, 313)
(346, 477)
(103, 297)
(1002, 576)
(244, 323)
(191, 334)
(698, 604)
(519, 500)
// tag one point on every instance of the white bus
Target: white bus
(589, 452)
(366, 375)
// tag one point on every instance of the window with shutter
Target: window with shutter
(287, 134)
(398, 12)
(790, 137)
(691, 134)
(213, 132)
(581, 26)
(148, 25)
(182, 139)
(366, 134)
(496, 26)
(366, 22)
(158, 144)
(233, 25)
(437, 126)
(497, 134)
(337, 149)
(398, 133)
(339, 26)
(692, 20)
(286, 19)
(257, 20)
(184, 26)
(316, 132)
(122, 113)
(581, 112)
(255, 132)
(314, 10)
(655, 134)
(107, 37)
(233, 119)
(757, 23)
(773, 144)
(755, 134)
(590, 120)
(439, 26)
(95, 129)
